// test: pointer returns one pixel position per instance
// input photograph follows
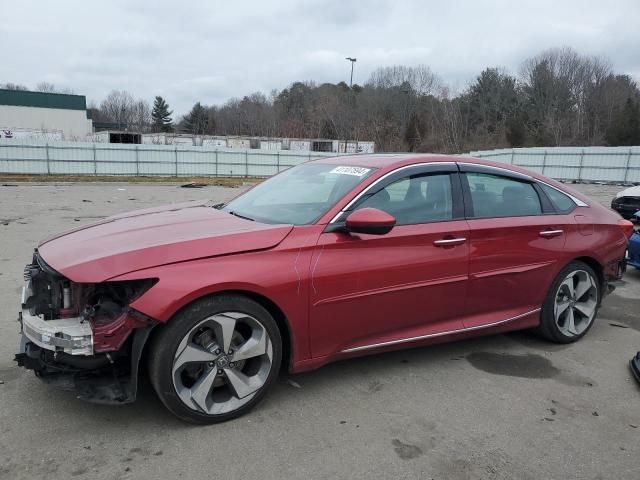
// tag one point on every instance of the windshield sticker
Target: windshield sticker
(357, 171)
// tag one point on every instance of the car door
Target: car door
(516, 241)
(411, 282)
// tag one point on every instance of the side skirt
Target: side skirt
(439, 334)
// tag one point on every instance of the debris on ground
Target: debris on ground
(293, 383)
(619, 325)
(193, 185)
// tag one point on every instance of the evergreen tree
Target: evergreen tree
(161, 116)
(516, 133)
(197, 121)
(625, 126)
(414, 132)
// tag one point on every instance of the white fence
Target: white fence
(588, 164)
(75, 158)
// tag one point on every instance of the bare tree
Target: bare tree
(46, 87)
(141, 116)
(119, 107)
(421, 79)
(13, 86)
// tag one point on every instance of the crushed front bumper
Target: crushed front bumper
(105, 378)
(69, 346)
(69, 335)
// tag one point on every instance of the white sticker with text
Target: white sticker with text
(357, 171)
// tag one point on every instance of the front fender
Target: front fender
(280, 275)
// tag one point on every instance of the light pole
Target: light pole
(352, 60)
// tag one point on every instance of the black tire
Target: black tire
(166, 343)
(548, 328)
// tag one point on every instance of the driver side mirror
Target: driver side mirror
(370, 221)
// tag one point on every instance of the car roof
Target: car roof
(387, 162)
(391, 161)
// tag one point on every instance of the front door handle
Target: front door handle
(449, 242)
(551, 233)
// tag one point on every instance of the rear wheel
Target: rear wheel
(571, 304)
(216, 359)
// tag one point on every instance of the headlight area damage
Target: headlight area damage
(82, 337)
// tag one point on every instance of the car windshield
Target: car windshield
(299, 195)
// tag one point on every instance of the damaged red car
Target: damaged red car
(331, 259)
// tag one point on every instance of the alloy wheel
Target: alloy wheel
(576, 303)
(222, 363)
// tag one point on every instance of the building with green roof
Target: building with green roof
(54, 116)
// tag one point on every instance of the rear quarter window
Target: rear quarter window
(561, 202)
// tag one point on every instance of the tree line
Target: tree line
(558, 98)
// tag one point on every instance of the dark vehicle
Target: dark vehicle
(627, 203)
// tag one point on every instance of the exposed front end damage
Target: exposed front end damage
(81, 336)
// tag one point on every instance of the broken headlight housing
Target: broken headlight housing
(60, 315)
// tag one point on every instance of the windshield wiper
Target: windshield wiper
(241, 216)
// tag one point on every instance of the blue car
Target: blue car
(633, 250)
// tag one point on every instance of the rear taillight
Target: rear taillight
(626, 226)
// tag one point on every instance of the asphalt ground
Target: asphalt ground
(499, 407)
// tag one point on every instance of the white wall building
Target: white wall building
(25, 114)
(250, 143)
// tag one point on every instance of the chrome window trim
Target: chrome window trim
(577, 201)
(512, 173)
(392, 172)
(439, 334)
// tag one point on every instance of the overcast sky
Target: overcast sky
(210, 51)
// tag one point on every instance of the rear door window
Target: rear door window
(498, 196)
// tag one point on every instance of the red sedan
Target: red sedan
(330, 259)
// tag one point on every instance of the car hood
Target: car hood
(629, 192)
(158, 236)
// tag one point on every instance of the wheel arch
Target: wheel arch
(278, 315)
(596, 266)
(272, 307)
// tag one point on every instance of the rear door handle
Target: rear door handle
(551, 233)
(449, 242)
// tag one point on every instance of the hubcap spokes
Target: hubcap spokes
(222, 362)
(575, 303)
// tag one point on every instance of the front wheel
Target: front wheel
(571, 304)
(216, 359)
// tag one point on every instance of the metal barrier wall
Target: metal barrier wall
(581, 164)
(78, 158)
